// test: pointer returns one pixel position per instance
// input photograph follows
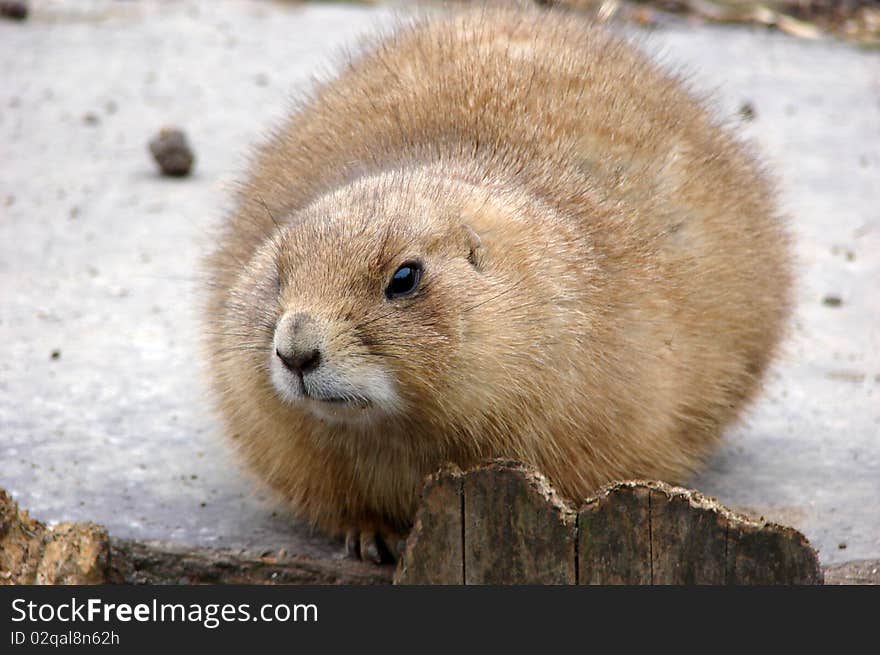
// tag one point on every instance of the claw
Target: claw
(370, 547)
(352, 544)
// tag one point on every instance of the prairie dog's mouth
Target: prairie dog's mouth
(357, 401)
(329, 399)
(344, 410)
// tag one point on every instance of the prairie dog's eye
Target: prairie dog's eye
(405, 280)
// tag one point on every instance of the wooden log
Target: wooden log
(33, 553)
(82, 553)
(516, 530)
(770, 554)
(498, 523)
(688, 537)
(614, 538)
(434, 552)
(137, 562)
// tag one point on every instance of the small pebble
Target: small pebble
(747, 111)
(172, 152)
(14, 9)
(90, 118)
(832, 301)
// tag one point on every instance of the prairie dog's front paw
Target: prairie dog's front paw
(372, 543)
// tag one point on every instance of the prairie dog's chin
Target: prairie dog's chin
(340, 413)
(335, 399)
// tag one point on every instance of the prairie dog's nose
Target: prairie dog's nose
(300, 362)
(298, 343)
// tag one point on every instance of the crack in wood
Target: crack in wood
(463, 547)
(650, 538)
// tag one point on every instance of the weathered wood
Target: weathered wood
(614, 537)
(33, 553)
(516, 529)
(434, 548)
(688, 538)
(135, 562)
(696, 540)
(770, 554)
(82, 553)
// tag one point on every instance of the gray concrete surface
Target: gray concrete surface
(98, 256)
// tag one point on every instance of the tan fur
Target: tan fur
(631, 279)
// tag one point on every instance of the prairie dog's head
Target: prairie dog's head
(398, 296)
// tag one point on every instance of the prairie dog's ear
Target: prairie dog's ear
(474, 245)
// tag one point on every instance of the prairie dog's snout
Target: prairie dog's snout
(301, 368)
(317, 366)
(299, 343)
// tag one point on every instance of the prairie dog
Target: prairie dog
(495, 233)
